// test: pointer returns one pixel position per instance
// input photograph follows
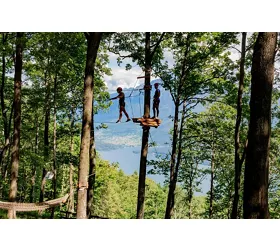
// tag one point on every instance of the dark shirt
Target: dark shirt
(122, 97)
(157, 94)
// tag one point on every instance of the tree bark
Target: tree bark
(93, 41)
(237, 160)
(174, 169)
(54, 145)
(71, 169)
(255, 204)
(92, 167)
(47, 118)
(46, 136)
(6, 124)
(146, 130)
(34, 170)
(43, 183)
(17, 123)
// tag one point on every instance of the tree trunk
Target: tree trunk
(237, 161)
(46, 135)
(6, 124)
(34, 170)
(192, 177)
(174, 169)
(93, 41)
(255, 205)
(170, 201)
(17, 123)
(71, 169)
(47, 118)
(92, 167)
(212, 184)
(33, 198)
(54, 145)
(43, 182)
(146, 130)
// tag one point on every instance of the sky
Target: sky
(128, 78)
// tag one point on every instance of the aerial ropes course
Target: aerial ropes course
(143, 121)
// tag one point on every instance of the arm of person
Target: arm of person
(119, 96)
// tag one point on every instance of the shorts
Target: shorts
(156, 103)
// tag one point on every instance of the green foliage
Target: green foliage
(203, 72)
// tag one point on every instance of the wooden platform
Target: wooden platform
(147, 122)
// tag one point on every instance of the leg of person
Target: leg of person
(154, 110)
(120, 116)
(126, 114)
(157, 109)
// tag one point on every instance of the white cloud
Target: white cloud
(121, 77)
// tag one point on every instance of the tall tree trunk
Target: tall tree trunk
(7, 142)
(17, 123)
(71, 169)
(46, 136)
(43, 183)
(212, 183)
(146, 130)
(47, 118)
(255, 205)
(190, 198)
(92, 166)
(54, 145)
(237, 160)
(93, 41)
(174, 169)
(3, 106)
(34, 170)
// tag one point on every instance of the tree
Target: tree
(237, 160)
(17, 122)
(255, 200)
(93, 41)
(197, 58)
(100, 95)
(140, 46)
(6, 99)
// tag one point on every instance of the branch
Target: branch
(232, 47)
(132, 55)
(191, 107)
(157, 44)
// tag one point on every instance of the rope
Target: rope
(26, 207)
(153, 143)
(133, 96)
(135, 85)
(140, 102)
(131, 107)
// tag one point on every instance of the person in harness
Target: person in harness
(156, 101)
(121, 97)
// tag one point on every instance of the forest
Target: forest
(53, 85)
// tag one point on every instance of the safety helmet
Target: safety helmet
(119, 89)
